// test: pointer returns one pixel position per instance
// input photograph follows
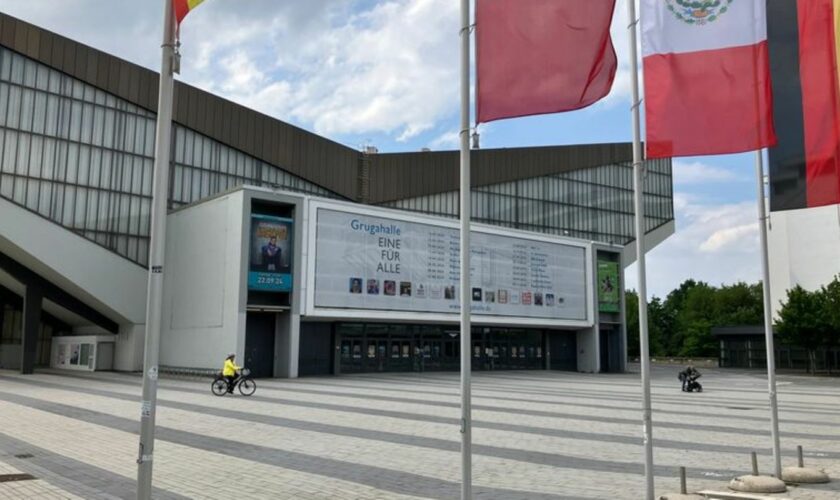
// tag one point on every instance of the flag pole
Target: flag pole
(465, 211)
(638, 187)
(768, 315)
(154, 297)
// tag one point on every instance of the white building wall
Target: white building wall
(202, 284)
(804, 250)
(128, 350)
(588, 353)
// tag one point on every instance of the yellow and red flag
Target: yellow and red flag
(183, 7)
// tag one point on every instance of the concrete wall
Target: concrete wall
(114, 286)
(128, 349)
(111, 284)
(588, 353)
(202, 284)
(10, 356)
(287, 331)
(804, 250)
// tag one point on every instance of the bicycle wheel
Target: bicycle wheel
(219, 387)
(247, 386)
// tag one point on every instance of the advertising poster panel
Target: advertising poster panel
(270, 259)
(608, 293)
(378, 263)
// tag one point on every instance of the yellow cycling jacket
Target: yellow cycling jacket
(230, 368)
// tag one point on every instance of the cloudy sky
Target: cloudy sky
(385, 73)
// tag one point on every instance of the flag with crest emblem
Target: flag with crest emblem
(707, 77)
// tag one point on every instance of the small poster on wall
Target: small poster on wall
(609, 297)
(74, 353)
(271, 254)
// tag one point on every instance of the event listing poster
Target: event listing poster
(377, 263)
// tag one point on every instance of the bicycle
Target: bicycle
(243, 381)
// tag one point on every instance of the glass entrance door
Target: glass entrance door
(379, 347)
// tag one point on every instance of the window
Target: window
(84, 158)
(594, 203)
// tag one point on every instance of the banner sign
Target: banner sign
(270, 259)
(366, 262)
(609, 298)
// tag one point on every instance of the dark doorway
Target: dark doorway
(316, 349)
(610, 347)
(259, 343)
(563, 349)
(605, 351)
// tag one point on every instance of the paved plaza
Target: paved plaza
(537, 435)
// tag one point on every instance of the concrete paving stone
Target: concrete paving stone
(537, 435)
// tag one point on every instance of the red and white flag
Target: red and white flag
(707, 77)
(542, 56)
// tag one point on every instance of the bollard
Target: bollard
(683, 489)
(802, 474)
(755, 483)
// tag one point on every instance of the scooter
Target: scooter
(693, 385)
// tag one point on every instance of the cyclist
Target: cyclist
(230, 370)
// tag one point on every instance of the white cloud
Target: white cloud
(621, 91)
(702, 173)
(390, 69)
(447, 140)
(728, 237)
(337, 66)
(130, 30)
(713, 243)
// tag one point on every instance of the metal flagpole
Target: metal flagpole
(154, 297)
(638, 186)
(466, 332)
(768, 315)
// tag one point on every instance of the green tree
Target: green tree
(803, 322)
(831, 304)
(657, 325)
(655, 330)
(672, 336)
(739, 304)
(694, 322)
(631, 314)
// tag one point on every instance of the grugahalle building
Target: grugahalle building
(300, 254)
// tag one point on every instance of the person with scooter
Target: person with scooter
(689, 377)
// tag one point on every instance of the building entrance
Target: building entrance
(375, 347)
(259, 343)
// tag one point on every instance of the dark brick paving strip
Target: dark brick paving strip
(434, 380)
(384, 479)
(541, 458)
(662, 443)
(76, 477)
(703, 405)
(441, 386)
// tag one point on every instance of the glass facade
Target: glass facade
(84, 158)
(377, 347)
(11, 330)
(593, 203)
